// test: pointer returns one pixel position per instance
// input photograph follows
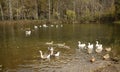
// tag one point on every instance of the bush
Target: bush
(70, 14)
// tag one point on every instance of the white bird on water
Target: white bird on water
(52, 25)
(28, 32)
(52, 52)
(44, 56)
(56, 26)
(49, 43)
(61, 25)
(57, 54)
(61, 44)
(44, 25)
(40, 26)
(81, 45)
(35, 27)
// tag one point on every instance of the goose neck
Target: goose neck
(51, 52)
(41, 54)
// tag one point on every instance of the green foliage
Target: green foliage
(70, 14)
(56, 15)
(82, 10)
(117, 5)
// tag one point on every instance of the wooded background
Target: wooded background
(79, 10)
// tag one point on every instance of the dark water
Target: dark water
(19, 53)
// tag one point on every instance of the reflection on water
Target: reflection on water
(19, 52)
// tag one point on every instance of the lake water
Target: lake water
(20, 53)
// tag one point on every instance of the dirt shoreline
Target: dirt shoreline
(80, 62)
(110, 68)
(76, 62)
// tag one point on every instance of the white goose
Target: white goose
(56, 26)
(49, 43)
(57, 54)
(97, 44)
(44, 25)
(52, 52)
(28, 32)
(35, 27)
(81, 45)
(61, 25)
(90, 48)
(61, 44)
(40, 26)
(99, 49)
(52, 25)
(44, 56)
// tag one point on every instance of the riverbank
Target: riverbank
(80, 62)
(34, 22)
(110, 68)
(117, 22)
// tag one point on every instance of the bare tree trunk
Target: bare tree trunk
(49, 9)
(10, 10)
(22, 9)
(58, 6)
(74, 9)
(17, 10)
(52, 7)
(2, 12)
(36, 5)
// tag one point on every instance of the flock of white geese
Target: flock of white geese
(98, 48)
(28, 31)
(51, 50)
(90, 47)
(51, 54)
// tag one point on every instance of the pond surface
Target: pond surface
(20, 53)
